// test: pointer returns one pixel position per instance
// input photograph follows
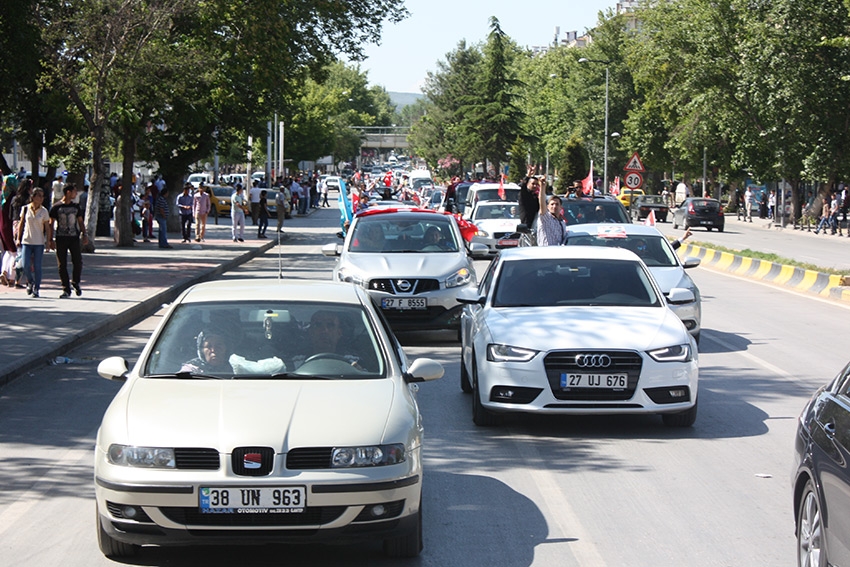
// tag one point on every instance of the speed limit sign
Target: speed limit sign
(633, 180)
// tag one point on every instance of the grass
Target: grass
(769, 257)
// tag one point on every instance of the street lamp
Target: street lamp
(605, 166)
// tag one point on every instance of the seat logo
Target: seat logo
(252, 460)
(403, 285)
(593, 360)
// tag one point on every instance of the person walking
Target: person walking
(834, 207)
(160, 215)
(185, 203)
(57, 188)
(68, 232)
(748, 203)
(262, 215)
(254, 194)
(35, 233)
(282, 202)
(238, 206)
(824, 216)
(7, 235)
(201, 209)
(323, 189)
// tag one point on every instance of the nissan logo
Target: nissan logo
(593, 360)
(403, 285)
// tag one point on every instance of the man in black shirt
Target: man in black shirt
(68, 217)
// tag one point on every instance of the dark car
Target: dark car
(460, 195)
(641, 206)
(697, 211)
(822, 480)
(582, 210)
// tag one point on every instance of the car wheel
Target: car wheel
(680, 419)
(708, 228)
(409, 544)
(465, 384)
(719, 229)
(810, 550)
(481, 416)
(110, 546)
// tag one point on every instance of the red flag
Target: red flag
(587, 182)
(650, 219)
(615, 186)
(502, 187)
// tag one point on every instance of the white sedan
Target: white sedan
(263, 412)
(575, 330)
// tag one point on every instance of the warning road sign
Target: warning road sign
(633, 180)
(634, 164)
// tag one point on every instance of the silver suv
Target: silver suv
(412, 263)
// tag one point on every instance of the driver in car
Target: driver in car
(324, 340)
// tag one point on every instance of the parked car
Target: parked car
(413, 262)
(581, 210)
(654, 249)
(263, 412)
(698, 211)
(821, 482)
(642, 205)
(627, 195)
(575, 330)
(495, 220)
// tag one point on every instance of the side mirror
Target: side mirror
(331, 250)
(478, 250)
(113, 368)
(680, 295)
(470, 296)
(690, 262)
(424, 370)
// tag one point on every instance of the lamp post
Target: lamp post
(605, 150)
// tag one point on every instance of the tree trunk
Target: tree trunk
(97, 177)
(123, 222)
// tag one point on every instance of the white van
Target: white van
(196, 178)
(419, 178)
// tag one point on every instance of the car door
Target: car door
(831, 452)
(470, 318)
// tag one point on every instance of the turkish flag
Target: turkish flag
(615, 186)
(502, 187)
(587, 182)
(650, 219)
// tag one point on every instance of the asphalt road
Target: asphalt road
(536, 491)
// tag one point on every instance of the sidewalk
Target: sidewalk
(120, 286)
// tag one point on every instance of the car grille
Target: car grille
(416, 286)
(238, 460)
(622, 362)
(197, 459)
(311, 516)
(309, 458)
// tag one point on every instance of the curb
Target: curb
(128, 316)
(798, 279)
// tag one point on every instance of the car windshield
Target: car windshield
(223, 191)
(652, 249)
(493, 195)
(421, 182)
(487, 211)
(401, 233)
(266, 339)
(652, 200)
(576, 282)
(592, 211)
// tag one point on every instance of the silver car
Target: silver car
(658, 255)
(413, 263)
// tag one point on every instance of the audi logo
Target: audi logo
(593, 360)
(403, 285)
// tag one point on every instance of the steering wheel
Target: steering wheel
(325, 355)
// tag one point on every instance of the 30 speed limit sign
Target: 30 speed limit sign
(633, 180)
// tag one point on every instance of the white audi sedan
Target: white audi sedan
(575, 330)
(263, 412)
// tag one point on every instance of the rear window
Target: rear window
(707, 204)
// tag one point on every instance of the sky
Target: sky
(411, 48)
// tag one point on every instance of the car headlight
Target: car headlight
(508, 353)
(461, 277)
(368, 456)
(350, 277)
(483, 233)
(148, 457)
(678, 353)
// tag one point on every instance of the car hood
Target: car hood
(670, 277)
(224, 414)
(408, 265)
(551, 328)
(498, 225)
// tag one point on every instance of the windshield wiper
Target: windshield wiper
(188, 376)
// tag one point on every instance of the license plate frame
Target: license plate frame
(252, 499)
(404, 303)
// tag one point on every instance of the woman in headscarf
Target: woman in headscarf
(7, 238)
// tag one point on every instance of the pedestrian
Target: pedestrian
(771, 205)
(35, 233)
(238, 207)
(282, 202)
(527, 200)
(749, 197)
(254, 194)
(57, 189)
(551, 229)
(69, 230)
(824, 216)
(7, 234)
(160, 215)
(263, 215)
(834, 207)
(314, 193)
(323, 189)
(201, 209)
(185, 203)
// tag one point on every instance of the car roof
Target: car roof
(629, 229)
(567, 253)
(301, 290)
(401, 209)
(489, 185)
